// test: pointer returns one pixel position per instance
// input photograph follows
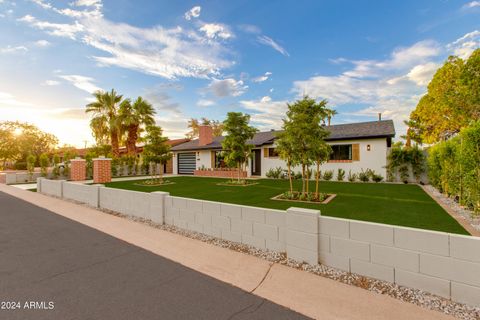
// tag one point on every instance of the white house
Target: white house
(356, 146)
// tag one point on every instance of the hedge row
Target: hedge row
(454, 167)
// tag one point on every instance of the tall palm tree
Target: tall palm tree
(105, 112)
(132, 117)
(330, 114)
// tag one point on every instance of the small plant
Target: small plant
(297, 175)
(44, 163)
(328, 175)
(56, 168)
(352, 177)
(274, 173)
(404, 174)
(31, 165)
(364, 176)
(340, 175)
(376, 177)
(202, 168)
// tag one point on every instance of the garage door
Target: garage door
(186, 163)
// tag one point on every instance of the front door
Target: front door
(257, 162)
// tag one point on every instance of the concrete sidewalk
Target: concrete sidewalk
(311, 295)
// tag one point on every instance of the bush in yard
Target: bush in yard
(20, 165)
(31, 165)
(376, 177)
(340, 174)
(44, 163)
(364, 176)
(56, 169)
(352, 177)
(404, 173)
(274, 173)
(328, 175)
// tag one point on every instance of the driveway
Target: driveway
(54, 268)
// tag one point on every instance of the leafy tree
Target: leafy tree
(156, 150)
(451, 103)
(132, 117)
(285, 146)
(31, 165)
(19, 139)
(306, 135)
(105, 119)
(44, 164)
(193, 125)
(237, 150)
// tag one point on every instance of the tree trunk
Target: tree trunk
(239, 169)
(132, 140)
(115, 147)
(290, 177)
(307, 183)
(317, 177)
(303, 178)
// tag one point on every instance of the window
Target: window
(219, 159)
(272, 153)
(341, 152)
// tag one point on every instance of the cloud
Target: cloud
(227, 87)
(423, 73)
(216, 30)
(271, 43)
(161, 101)
(166, 52)
(42, 43)
(263, 77)
(193, 13)
(13, 50)
(266, 114)
(472, 4)
(88, 3)
(51, 83)
(81, 82)
(205, 103)
(250, 28)
(464, 46)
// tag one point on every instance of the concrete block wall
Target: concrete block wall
(444, 264)
(258, 227)
(88, 194)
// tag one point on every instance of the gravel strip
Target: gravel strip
(461, 211)
(415, 296)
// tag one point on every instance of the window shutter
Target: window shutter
(265, 152)
(212, 157)
(356, 152)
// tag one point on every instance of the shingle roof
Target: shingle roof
(360, 130)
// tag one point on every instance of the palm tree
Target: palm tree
(330, 114)
(132, 117)
(105, 111)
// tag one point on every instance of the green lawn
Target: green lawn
(396, 204)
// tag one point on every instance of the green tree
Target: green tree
(451, 103)
(285, 146)
(105, 118)
(44, 164)
(31, 165)
(237, 150)
(134, 116)
(156, 150)
(193, 125)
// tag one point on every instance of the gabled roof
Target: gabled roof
(360, 130)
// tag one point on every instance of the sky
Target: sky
(206, 58)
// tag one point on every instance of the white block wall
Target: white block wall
(444, 264)
(88, 194)
(50, 187)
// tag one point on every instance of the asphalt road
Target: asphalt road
(49, 261)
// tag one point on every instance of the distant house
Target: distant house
(356, 146)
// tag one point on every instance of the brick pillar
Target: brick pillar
(102, 170)
(78, 169)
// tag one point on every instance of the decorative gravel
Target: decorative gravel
(415, 296)
(463, 212)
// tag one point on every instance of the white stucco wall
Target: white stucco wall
(375, 159)
(204, 159)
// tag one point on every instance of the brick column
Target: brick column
(102, 170)
(78, 169)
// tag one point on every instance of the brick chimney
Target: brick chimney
(379, 116)
(205, 134)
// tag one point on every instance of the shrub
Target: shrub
(297, 175)
(352, 177)
(328, 175)
(44, 163)
(364, 176)
(274, 173)
(404, 175)
(340, 175)
(56, 169)
(376, 177)
(31, 165)
(20, 165)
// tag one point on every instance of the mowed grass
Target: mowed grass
(395, 204)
